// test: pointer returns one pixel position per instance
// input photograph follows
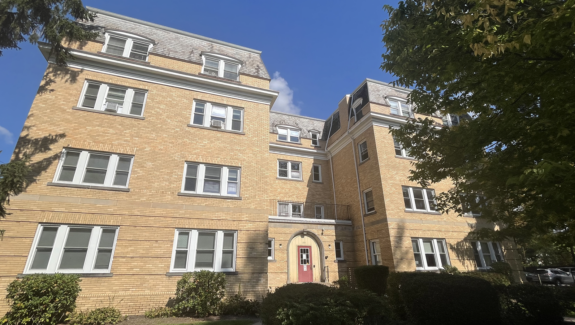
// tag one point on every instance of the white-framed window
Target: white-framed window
(400, 107)
(316, 171)
(486, 253)
(375, 252)
(368, 201)
(319, 211)
(289, 169)
(450, 120)
(285, 133)
(127, 45)
(271, 249)
(72, 249)
(470, 212)
(419, 199)
(217, 116)
(221, 66)
(94, 168)
(315, 136)
(399, 150)
(112, 98)
(339, 250)
(430, 253)
(290, 209)
(211, 179)
(363, 154)
(212, 250)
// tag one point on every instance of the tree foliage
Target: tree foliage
(13, 181)
(507, 66)
(47, 20)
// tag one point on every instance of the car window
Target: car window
(541, 272)
(566, 269)
(559, 272)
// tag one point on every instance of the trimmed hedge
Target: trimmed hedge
(100, 316)
(492, 277)
(431, 298)
(525, 304)
(312, 303)
(41, 299)
(372, 278)
(238, 305)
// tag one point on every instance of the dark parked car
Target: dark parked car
(551, 275)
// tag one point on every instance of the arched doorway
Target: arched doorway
(305, 258)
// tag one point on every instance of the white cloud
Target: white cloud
(284, 102)
(7, 135)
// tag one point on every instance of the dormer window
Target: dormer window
(288, 134)
(127, 45)
(315, 139)
(221, 66)
(400, 107)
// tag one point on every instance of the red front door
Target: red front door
(305, 272)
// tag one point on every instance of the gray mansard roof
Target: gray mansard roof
(179, 44)
(304, 123)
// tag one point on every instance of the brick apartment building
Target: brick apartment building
(155, 153)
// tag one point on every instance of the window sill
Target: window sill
(424, 212)
(272, 261)
(82, 275)
(219, 78)
(125, 58)
(214, 129)
(290, 179)
(369, 213)
(362, 162)
(107, 113)
(406, 158)
(340, 261)
(210, 196)
(91, 187)
(182, 273)
(318, 182)
(284, 141)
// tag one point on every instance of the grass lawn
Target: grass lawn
(220, 322)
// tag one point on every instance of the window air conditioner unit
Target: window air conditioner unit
(217, 124)
(112, 107)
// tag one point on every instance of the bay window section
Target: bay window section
(212, 250)
(419, 199)
(289, 170)
(94, 168)
(72, 249)
(217, 116)
(112, 99)
(208, 179)
(486, 253)
(430, 253)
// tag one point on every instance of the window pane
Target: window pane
(116, 95)
(337, 250)
(443, 258)
(180, 259)
(205, 259)
(476, 254)
(211, 67)
(76, 248)
(283, 209)
(116, 46)
(293, 136)
(183, 239)
(394, 107)
(295, 170)
(237, 120)
(430, 199)
(95, 176)
(232, 188)
(107, 238)
(236, 125)
(318, 212)
(91, 95)
(233, 175)
(397, 147)
(282, 134)
(206, 240)
(211, 186)
(486, 254)
(212, 179)
(416, 253)
(429, 253)
(218, 111)
(228, 241)
(227, 259)
(98, 161)
(139, 51)
(73, 259)
(406, 199)
(103, 259)
(212, 64)
(41, 258)
(296, 210)
(78, 238)
(418, 198)
(316, 174)
(69, 166)
(48, 236)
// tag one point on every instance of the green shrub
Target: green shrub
(41, 299)
(342, 283)
(372, 278)
(503, 268)
(491, 277)
(566, 297)
(238, 305)
(200, 293)
(450, 270)
(431, 298)
(272, 303)
(525, 304)
(160, 312)
(100, 316)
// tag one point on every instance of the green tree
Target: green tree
(44, 20)
(13, 181)
(508, 67)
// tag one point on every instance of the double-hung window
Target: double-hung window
(217, 116)
(315, 139)
(399, 150)
(339, 250)
(316, 173)
(288, 134)
(290, 209)
(363, 154)
(289, 169)
(486, 253)
(450, 120)
(220, 66)
(375, 252)
(419, 199)
(127, 45)
(212, 250)
(430, 254)
(368, 201)
(468, 209)
(113, 99)
(72, 249)
(211, 179)
(319, 211)
(94, 168)
(271, 249)
(399, 107)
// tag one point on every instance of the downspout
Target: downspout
(331, 168)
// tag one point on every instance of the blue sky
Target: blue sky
(318, 50)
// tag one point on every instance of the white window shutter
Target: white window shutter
(101, 96)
